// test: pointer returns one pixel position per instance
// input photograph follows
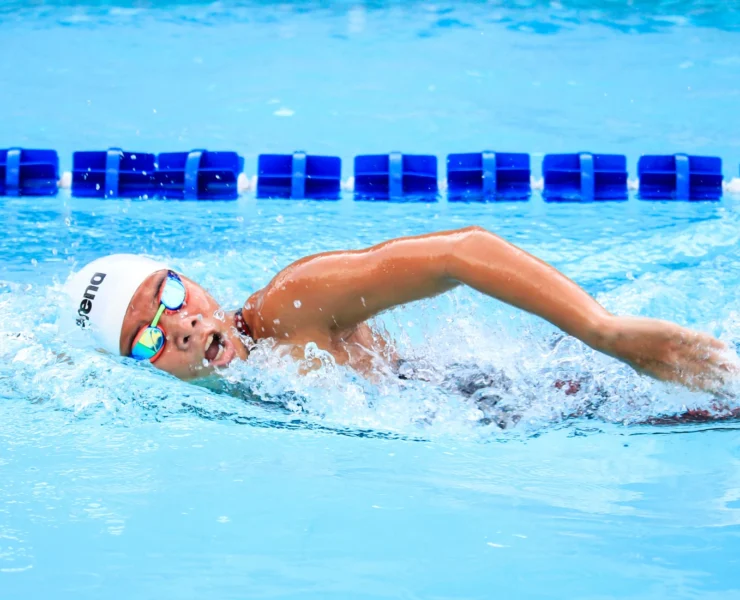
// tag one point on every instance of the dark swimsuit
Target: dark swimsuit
(241, 325)
(486, 388)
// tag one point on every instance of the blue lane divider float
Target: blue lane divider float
(396, 177)
(299, 175)
(198, 175)
(680, 177)
(178, 175)
(488, 176)
(28, 172)
(112, 173)
(584, 177)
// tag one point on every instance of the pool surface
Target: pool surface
(117, 481)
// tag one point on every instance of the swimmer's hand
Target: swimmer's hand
(324, 297)
(670, 352)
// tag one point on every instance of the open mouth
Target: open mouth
(219, 351)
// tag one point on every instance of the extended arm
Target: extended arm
(340, 289)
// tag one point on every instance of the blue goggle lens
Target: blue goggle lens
(173, 292)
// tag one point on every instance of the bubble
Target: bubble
(297, 303)
(280, 219)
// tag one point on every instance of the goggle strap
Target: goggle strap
(158, 315)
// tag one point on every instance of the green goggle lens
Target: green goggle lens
(149, 343)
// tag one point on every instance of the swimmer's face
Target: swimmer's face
(198, 341)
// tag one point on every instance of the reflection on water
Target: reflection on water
(477, 470)
(536, 16)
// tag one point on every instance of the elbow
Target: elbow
(472, 236)
(473, 230)
(459, 245)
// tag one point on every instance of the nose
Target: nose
(183, 330)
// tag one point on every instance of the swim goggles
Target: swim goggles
(149, 342)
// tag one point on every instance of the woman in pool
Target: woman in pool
(137, 307)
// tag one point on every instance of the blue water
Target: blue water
(117, 481)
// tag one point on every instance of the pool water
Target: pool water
(118, 481)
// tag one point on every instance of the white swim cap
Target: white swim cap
(101, 292)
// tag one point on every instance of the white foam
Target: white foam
(246, 184)
(242, 183)
(732, 186)
(348, 185)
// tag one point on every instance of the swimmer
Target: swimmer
(137, 307)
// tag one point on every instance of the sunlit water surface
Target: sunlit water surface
(118, 481)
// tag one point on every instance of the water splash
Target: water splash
(462, 382)
(473, 367)
(491, 372)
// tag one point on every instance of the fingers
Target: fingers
(713, 343)
(674, 353)
(697, 367)
(727, 365)
(698, 338)
(715, 353)
(711, 371)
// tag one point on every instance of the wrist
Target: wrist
(603, 331)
